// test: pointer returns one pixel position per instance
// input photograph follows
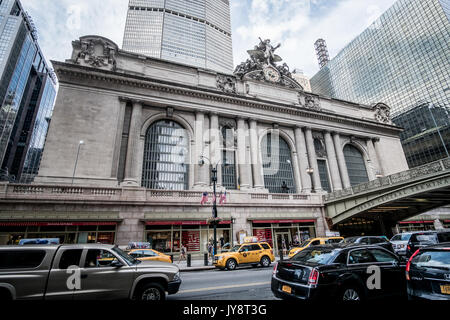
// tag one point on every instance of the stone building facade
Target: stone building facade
(152, 132)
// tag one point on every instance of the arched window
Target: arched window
(355, 165)
(228, 158)
(277, 165)
(166, 164)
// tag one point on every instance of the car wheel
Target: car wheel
(231, 264)
(152, 292)
(265, 262)
(351, 294)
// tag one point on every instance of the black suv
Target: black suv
(379, 241)
(340, 272)
(428, 273)
(421, 239)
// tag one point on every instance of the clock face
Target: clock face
(271, 74)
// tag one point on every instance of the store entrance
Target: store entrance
(282, 243)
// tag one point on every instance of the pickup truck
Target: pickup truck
(82, 272)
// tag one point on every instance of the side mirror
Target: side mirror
(116, 264)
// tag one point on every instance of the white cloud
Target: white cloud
(62, 21)
(297, 24)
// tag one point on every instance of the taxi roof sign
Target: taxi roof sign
(251, 240)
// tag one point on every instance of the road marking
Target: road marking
(226, 287)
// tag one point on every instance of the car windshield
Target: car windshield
(350, 240)
(235, 249)
(433, 259)
(304, 243)
(401, 237)
(316, 256)
(426, 237)
(129, 259)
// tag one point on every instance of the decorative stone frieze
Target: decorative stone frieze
(226, 84)
(382, 113)
(95, 51)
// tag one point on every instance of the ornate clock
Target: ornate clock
(271, 74)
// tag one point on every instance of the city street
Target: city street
(241, 284)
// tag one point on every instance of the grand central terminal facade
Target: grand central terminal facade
(133, 141)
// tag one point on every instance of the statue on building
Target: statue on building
(262, 66)
(382, 113)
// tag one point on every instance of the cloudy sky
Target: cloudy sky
(296, 24)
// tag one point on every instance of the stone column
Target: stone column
(215, 146)
(200, 169)
(132, 162)
(332, 161)
(313, 160)
(378, 152)
(375, 167)
(302, 157)
(341, 160)
(257, 170)
(244, 174)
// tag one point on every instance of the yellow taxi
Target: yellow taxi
(314, 242)
(251, 252)
(149, 255)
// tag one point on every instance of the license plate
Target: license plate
(445, 289)
(287, 289)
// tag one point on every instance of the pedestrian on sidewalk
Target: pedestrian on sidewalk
(182, 253)
(210, 250)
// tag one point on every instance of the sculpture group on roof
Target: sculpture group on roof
(263, 65)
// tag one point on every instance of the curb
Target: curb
(197, 268)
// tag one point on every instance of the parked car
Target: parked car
(82, 272)
(314, 242)
(149, 255)
(428, 273)
(379, 241)
(400, 241)
(248, 253)
(423, 239)
(339, 272)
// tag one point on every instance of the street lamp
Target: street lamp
(214, 217)
(76, 161)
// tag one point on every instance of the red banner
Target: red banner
(191, 240)
(55, 224)
(263, 235)
(182, 223)
(283, 221)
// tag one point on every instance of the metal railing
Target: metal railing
(394, 179)
(81, 193)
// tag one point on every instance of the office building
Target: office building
(402, 59)
(192, 32)
(27, 93)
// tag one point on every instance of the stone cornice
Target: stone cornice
(208, 94)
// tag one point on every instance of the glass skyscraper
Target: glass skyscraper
(192, 32)
(27, 94)
(403, 60)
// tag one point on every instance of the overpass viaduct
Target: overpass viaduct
(378, 205)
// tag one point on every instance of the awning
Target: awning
(182, 223)
(416, 221)
(54, 224)
(282, 221)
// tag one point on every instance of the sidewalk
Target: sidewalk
(199, 265)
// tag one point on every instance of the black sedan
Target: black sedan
(340, 272)
(379, 241)
(428, 273)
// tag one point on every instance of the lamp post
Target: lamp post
(76, 161)
(214, 180)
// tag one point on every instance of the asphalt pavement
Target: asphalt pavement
(245, 283)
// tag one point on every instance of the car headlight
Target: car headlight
(177, 277)
(220, 258)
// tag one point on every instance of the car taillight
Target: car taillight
(408, 265)
(275, 268)
(409, 248)
(271, 252)
(313, 277)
